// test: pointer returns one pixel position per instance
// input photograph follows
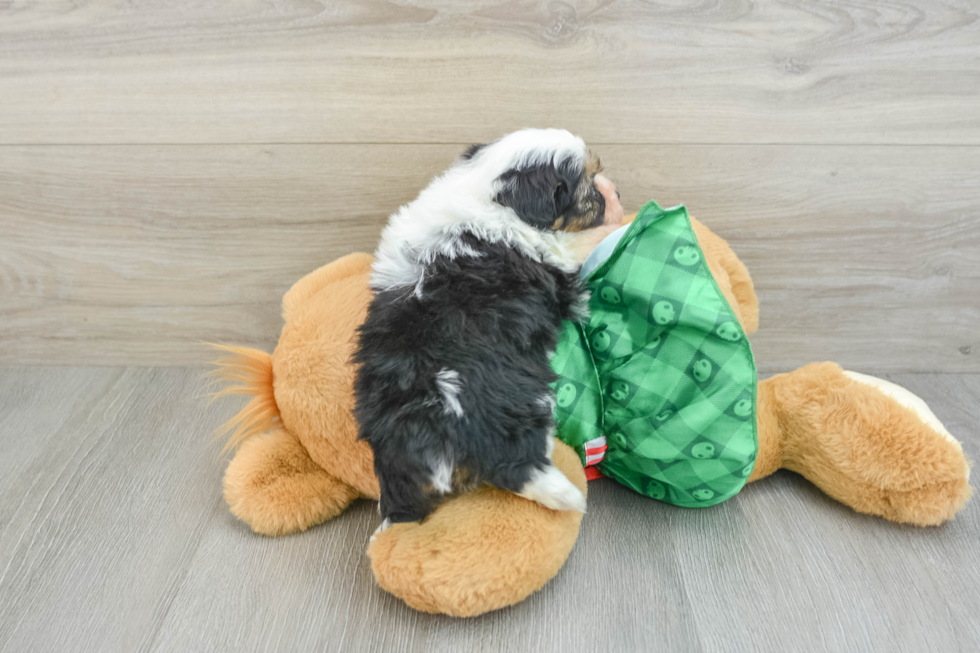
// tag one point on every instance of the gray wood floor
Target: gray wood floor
(114, 537)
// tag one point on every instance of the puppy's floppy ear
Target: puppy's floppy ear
(472, 151)
(538, 194)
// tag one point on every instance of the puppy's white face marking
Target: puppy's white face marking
(462, 201)
(450, 385)
(442, 476)
(552, 489)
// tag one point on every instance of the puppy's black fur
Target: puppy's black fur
(492, 317)
(539, 194)
(472, 151)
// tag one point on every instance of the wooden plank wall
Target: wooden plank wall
(167, 170)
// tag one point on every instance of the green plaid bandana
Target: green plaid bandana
(658, 389)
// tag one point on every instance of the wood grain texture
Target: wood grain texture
(107, 479)
(627, 71)
(113, 537)
(867, 256)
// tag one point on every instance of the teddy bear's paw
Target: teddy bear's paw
(907, 399)
(274, 486)
(910, 467)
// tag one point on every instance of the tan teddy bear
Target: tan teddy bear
(868, 443)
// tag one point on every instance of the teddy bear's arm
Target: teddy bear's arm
(731, 274)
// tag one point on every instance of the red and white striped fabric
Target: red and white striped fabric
(595, 450)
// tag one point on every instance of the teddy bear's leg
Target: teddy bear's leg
(480, 551)
(866, 442)
(274, 486)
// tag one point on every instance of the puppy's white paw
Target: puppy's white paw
(381, 529)
(552, 489)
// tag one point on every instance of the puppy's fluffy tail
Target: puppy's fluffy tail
(245, 371)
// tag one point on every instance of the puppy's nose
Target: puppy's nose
(614, 210)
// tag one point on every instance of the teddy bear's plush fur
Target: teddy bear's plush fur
(868, 443)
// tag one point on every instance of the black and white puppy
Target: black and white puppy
(471, 282)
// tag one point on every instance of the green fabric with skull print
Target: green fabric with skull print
(662, 369)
